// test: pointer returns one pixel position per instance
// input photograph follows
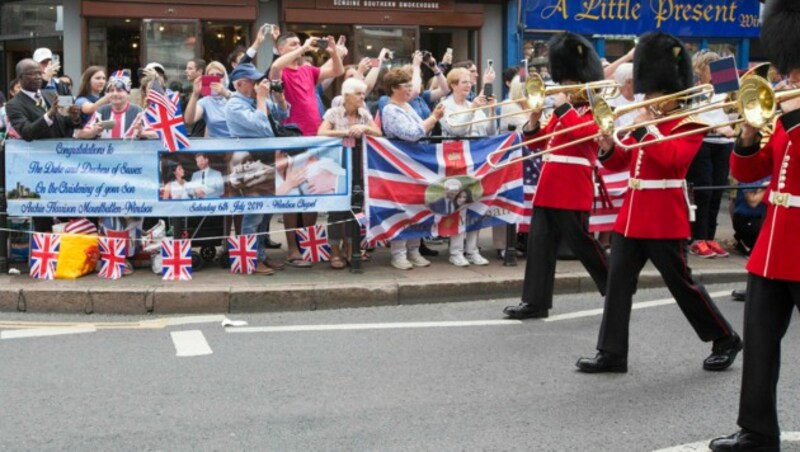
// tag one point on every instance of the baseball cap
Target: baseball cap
(246, 70)
(42, 54)
(156, 66)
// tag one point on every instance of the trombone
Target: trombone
(536, 93)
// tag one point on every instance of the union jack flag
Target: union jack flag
(176, 260)
(406, 195)
(44, 255)
(243, 254)
(112, 257)
(163, 114)
(313, 243)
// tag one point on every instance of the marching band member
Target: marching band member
(565, 192)
(773, 285)
(654, 220)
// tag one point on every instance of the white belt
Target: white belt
(567, 159)
(787, 200)
(640, 184)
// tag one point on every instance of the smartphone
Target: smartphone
(523, 70)
(449, 51)
(321, 43)
(490, 64)
(55, 60)
(266, 29)
(342, 40)
(108, 124)
(488, 90)
(207, 80)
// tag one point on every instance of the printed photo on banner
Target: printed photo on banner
(452, 194)
(318, 171)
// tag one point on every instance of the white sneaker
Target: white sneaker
(417, 260)
(459, 260)
(476, 259)
(401, 263)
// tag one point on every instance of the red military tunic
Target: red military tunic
(775, 253)
(656, 213)
(569, 183)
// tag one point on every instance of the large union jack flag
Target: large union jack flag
(313, 243)
(44, 255)
(164, 115)
(176, 260)
(407, 185)
(243, 254)
(112, 257)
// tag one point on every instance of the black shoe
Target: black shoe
(744, 440)
(425, 251)
(739, 295)
(723, 353)
(525, 311)
(271, 245)
(603, 362)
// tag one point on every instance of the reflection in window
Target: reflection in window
(27, 17)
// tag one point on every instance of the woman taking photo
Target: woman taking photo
(90, 93)
(119, 118)
(210, 108)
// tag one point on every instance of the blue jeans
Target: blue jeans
(253, 223)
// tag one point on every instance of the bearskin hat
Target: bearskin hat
(780, 33)
(573, 58)
(662, 64)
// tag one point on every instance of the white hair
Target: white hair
(452, 185)
(623, 73)
(351, 85)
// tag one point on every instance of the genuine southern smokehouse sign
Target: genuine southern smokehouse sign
(392, 5)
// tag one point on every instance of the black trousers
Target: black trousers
(628, 257)
(746, 230)
(709, 167)
(767, 312)
(548, 227)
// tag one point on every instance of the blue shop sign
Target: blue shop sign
(685, 18)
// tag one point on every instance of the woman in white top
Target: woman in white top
(462, 255)
(177, 188)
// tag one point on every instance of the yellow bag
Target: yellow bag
(77, 256)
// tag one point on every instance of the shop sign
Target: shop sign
(687, 18)
(387, 5)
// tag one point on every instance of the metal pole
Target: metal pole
(3, 211)
(510, 258)
(356, 204)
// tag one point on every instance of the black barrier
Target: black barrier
(3, 210)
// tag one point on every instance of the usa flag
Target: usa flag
(112, 257)
(313, 244)
(243, 254)
(405, 194)
(176, 260)
(164, 115)
(44, 255)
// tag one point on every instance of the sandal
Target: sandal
(297, 262)
(337, 263)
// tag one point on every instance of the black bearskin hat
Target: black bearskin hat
(662, 64)
(573, 58)
(780, 34)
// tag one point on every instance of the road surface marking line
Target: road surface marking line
(190, 343)
(370, 326)
(194, 320)
(786, 437)
(639, 305)
(43, 332)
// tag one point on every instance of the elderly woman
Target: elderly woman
(460, 83)
(400, 121)
(351, 121)
(709, 167)
(210, 108)
(119, 118)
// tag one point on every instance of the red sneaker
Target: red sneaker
(700, 248)
(715, 247)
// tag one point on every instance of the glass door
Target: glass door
(171, 43)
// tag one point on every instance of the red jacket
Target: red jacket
(778, 245)
(567, 185)
(656, 213)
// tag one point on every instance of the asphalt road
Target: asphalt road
(507, 386)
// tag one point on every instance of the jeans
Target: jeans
(253, 223)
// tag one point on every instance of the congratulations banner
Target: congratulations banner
(113, 178)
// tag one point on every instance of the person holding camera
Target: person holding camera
(211, 108)
(119, 118)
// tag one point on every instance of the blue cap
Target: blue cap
(246, 70)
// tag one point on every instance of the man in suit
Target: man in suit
(444, 205)
(207, 181)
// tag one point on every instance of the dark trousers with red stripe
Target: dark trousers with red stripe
(548, 227)
(628, 257)
(767, 312)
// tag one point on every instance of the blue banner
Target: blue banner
(121, 178)
(683, 18)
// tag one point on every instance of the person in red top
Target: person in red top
(565, 192)
(773, 285)
(653, 223)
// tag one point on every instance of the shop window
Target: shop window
(29, 18)
(114, 44)
(171, 43)
(223, 41)
(535, 51)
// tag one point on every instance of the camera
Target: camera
(426, 57)
(321, 43)
(276, 86)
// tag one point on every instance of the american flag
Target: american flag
(112, 257)
(243, 254)
(531, 170)
(176, 260)
(163, 114)
(405, 187)
(80, 226)
(44, 255)
(313, 243)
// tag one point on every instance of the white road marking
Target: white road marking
(42, 332)
(371, 326)
(190, 343)
(194, 320)
(639, 305)
(786, 437)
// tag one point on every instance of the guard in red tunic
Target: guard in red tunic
(773, 285)
(565, 192)
(653, 223)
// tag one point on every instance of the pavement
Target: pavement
(214, 290)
